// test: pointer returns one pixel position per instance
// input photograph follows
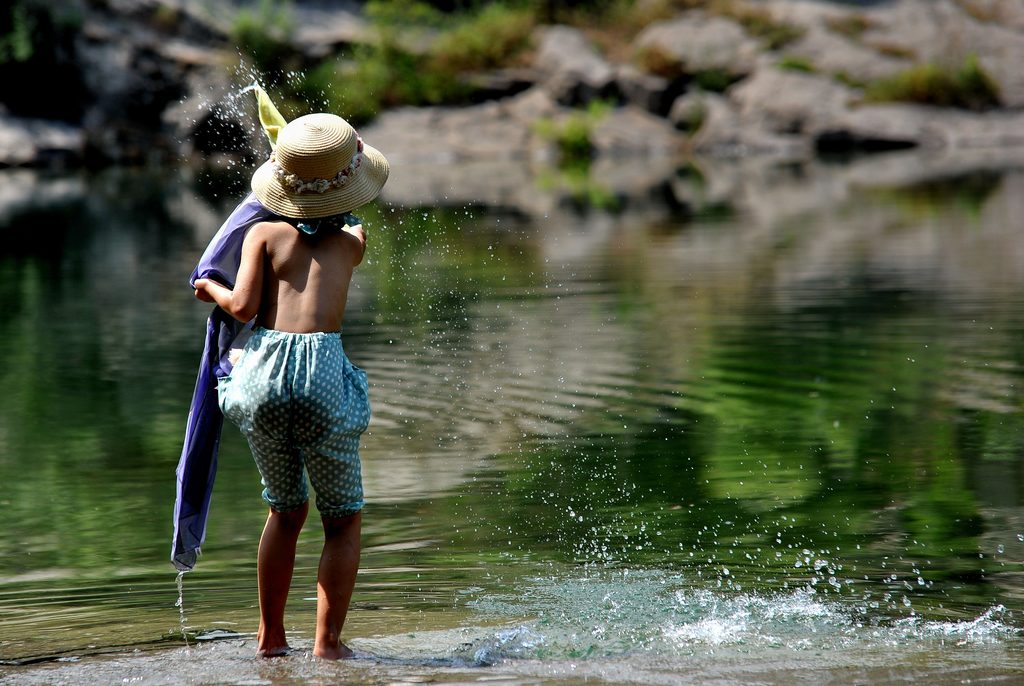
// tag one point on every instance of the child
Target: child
(298, 400)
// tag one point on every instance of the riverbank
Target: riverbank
(140, 81)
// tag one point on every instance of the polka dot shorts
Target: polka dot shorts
(302, 406)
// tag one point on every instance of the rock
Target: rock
(573, 71)
(652, 93)
(446, 135)
(896, 35)
(191, 55)
(530, 106)
(631, 132)
(321, 28)
(835, 55)
(689, 111)
(892, 126)
(915, 25)
(788, 102)
(38, 142)
(881, 127)
(1008, 13)
(699, 42)
(501, 83)
(723, 133)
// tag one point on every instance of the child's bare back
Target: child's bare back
(306, 280)
(290, 281)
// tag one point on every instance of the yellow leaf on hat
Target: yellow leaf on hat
(270, 118)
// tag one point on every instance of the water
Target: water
(758, 426)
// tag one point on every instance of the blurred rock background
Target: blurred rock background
(100, 82)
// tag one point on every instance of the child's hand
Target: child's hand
(201, 292)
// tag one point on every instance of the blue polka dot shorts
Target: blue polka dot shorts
(302, 406)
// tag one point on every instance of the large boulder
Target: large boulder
(830, 53)
(887, 126)
(721, 131)
(38, 142)
(698, 42)
(940, 31)
(1008, 13)
(789, 102)
(573, 72)
(320, 29)
(647, 91)
(499, 130)
(879, 39)
(631, 132)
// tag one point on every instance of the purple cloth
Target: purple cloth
(198, 464)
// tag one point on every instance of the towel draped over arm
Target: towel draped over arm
(198, 463)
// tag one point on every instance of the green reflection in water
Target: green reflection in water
(633, 409)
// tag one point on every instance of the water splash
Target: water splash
(664, 614)
(248, 89)
(180, 604)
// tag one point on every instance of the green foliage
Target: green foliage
(795, 63)
(573, 135)
(585, 188)
(389, 74)
(376, 77)
(403, 13)
(262, 34)
(16, 45)
(485, 40)
(967, 86)
(847, 79)
(713, 80)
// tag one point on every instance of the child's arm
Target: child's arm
(359, 234)
(243, 302)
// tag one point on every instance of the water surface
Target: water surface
(749, 427)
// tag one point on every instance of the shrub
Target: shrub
(573, 136)
(967, 86)
(488, 39)
(714, 80)
(389, 75)
(374, 78)
(263, 34)
(16, 44)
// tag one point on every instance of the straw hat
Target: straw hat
(319, 168)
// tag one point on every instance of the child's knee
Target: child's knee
(292, 519)
(334, 526)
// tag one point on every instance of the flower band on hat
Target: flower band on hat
(298, 185)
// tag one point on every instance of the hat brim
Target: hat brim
(361, 188)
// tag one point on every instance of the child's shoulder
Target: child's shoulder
(271, 232)
(272, 227)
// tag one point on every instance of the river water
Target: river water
(746, 425)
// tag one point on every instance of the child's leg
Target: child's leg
(274, 566)
(335, 579)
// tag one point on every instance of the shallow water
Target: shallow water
(752, 427)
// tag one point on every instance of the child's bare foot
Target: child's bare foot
(338, 652)
(273, 652)
(271, 643)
